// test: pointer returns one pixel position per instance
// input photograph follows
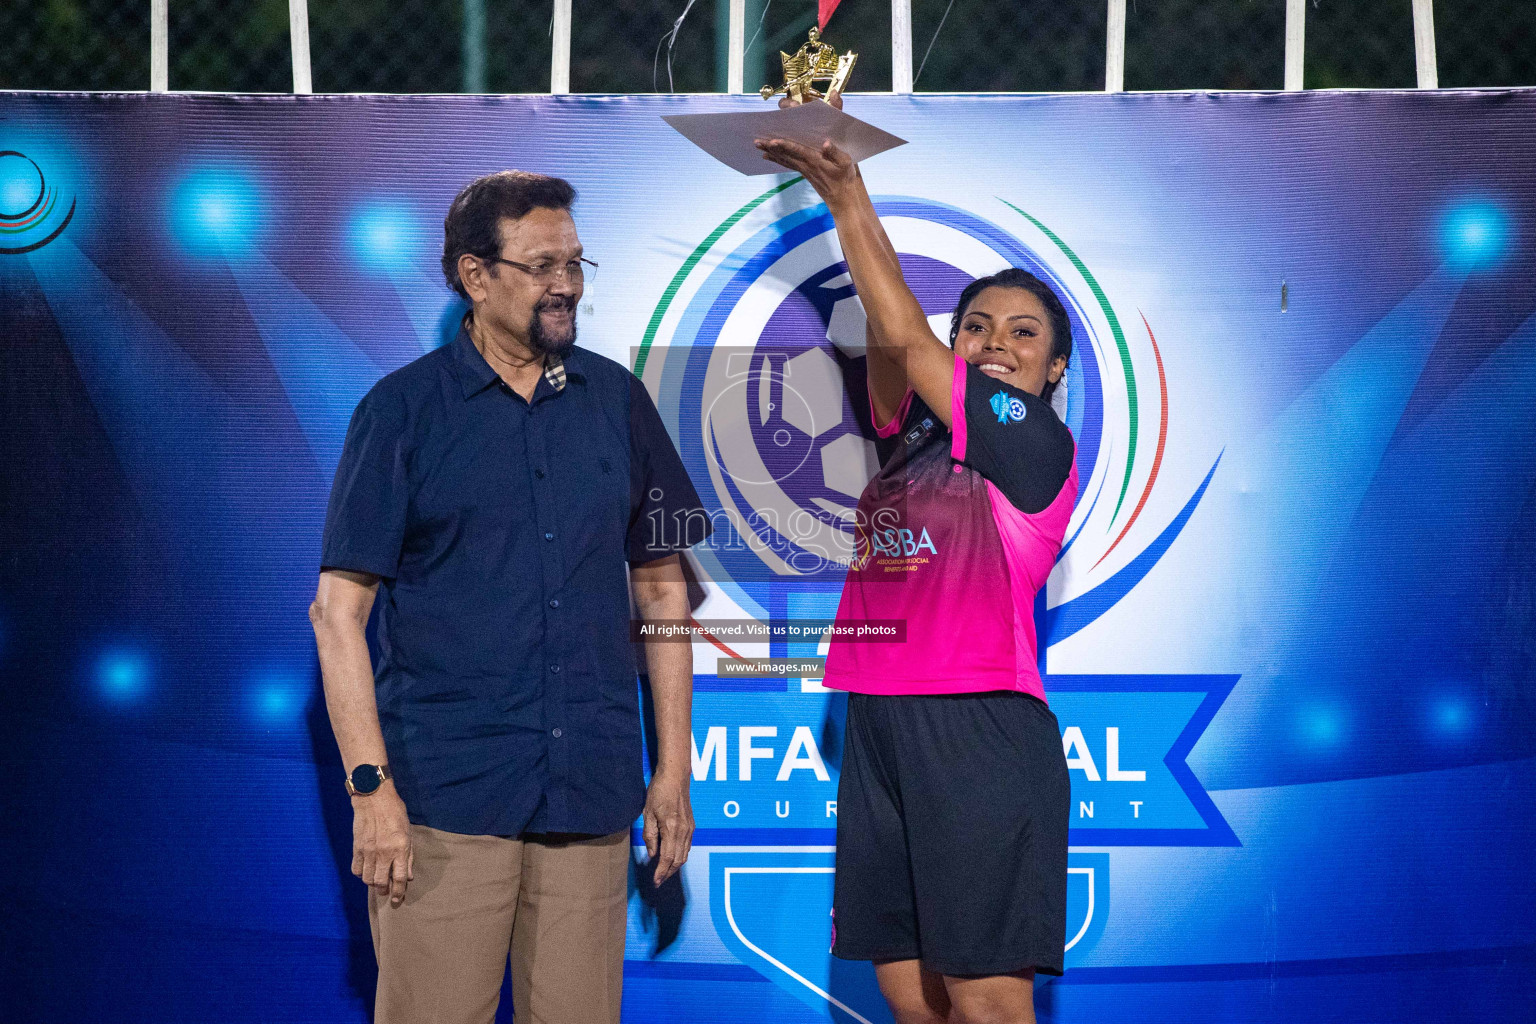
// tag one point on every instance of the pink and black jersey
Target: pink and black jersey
(956, 535)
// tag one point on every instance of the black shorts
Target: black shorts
(952, 834)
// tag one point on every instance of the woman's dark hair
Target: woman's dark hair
(1013, 277)
(474, 216)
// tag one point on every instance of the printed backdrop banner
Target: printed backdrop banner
(1289, 639)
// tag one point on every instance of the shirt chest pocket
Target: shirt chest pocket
(593, 485)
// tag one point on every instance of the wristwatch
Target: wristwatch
(366, 779)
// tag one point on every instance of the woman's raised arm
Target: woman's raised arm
(896, 319)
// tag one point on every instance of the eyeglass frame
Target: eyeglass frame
(549, 276)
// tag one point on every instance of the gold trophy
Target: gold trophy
(815, 61)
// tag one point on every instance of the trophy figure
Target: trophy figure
(815, 61)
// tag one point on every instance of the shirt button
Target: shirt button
(549, 536)
(554, 602)
(555, 732)
(539, 473)
(555, 669)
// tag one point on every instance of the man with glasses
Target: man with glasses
(493, 491)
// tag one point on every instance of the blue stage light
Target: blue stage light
(217, 210)
(1323, 725)
(21, 184)
(1475, 233)
(385, 236)
(1451, 717)
(122, 675)
(278, 698)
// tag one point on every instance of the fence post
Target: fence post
(1295, 43)
(159, 45)
(560, 49)
(298, 36)
(1424, 44)
(474, 46)
(901, 46)
(736, 46)
(1114, 55)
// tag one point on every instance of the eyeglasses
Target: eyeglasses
(549, 273)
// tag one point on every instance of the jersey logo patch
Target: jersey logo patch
(1008, 408)
(920, 431)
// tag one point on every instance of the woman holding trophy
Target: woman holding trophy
(954, 799)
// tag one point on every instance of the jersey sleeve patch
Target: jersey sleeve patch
(1012, 438)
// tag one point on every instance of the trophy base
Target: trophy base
(731, 138)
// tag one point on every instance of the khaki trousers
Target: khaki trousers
(556, 905)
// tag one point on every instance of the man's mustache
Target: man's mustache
(563, 303)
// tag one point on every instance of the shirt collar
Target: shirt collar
(475, 374)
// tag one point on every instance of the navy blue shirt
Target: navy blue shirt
(501, 527)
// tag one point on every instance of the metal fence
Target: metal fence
(622, 46)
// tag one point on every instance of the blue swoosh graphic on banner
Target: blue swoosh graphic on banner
(1072, 616)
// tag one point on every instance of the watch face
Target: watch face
(366, 778)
